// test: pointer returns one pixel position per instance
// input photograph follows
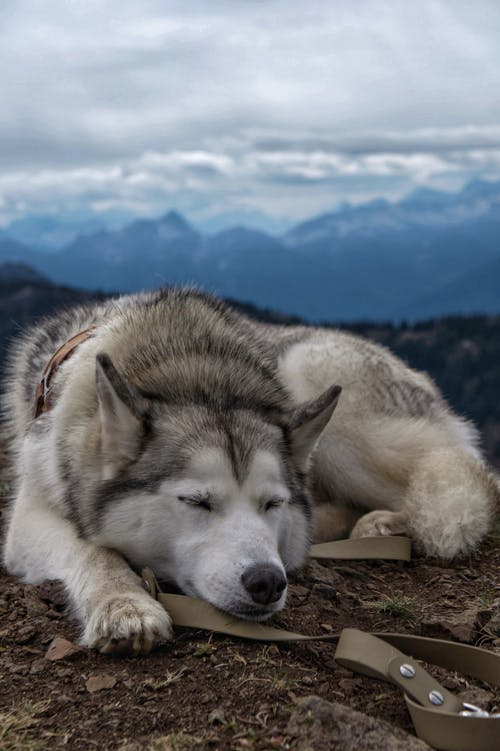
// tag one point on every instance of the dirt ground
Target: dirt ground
(203, 691)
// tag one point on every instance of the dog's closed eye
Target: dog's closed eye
(201, 500)
(274, 502)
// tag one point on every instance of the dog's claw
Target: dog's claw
(127, 624)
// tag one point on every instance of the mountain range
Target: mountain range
(430, 254)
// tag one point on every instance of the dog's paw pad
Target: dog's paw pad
(127, 624)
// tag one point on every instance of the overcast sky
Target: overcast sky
(280, 106)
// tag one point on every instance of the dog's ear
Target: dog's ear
(308, 421)
(121, 410)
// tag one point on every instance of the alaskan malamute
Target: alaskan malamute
(176, 433)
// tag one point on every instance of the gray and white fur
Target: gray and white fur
(189, 438)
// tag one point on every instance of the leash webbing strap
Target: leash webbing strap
(439, 717)
(384, 548)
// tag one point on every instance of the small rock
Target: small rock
(349, 684)
(34, 605)
(299, 591)
(30, 650)
(64, 672)
(18, 668)
(451, 683)
(494, 622)
(461, 626)
(38, 666)
(99, 682)
(53, 591)
(25, 634)
(319, 725)
(345, 672)
(64, 698)
(60, 648)
(326, 591)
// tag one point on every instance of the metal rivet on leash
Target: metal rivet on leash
(407, 671)
(436, 698)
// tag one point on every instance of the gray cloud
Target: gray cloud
(270, 105)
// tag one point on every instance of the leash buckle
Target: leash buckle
(470, 710)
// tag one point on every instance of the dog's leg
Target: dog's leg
(116, 613)
(381, 523)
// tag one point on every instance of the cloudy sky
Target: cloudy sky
(236, 107)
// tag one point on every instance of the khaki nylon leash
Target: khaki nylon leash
(365, 548)
(439, 717)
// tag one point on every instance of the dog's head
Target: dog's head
(214, 501)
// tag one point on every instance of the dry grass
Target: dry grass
(397, 605)
(20, 728)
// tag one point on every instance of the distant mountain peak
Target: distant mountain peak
(175, 221)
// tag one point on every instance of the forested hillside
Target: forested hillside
(463, 356)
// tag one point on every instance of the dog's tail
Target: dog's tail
(452, 502)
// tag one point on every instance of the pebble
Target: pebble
(25, 634)
(18, 668)
(99, 682)
(38, 666)
(64, 672)
(34, 605)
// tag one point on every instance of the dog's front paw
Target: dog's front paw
(129, 623)
(381, 524)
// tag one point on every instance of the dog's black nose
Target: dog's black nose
(265, 583)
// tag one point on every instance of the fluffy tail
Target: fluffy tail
(451, 503)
